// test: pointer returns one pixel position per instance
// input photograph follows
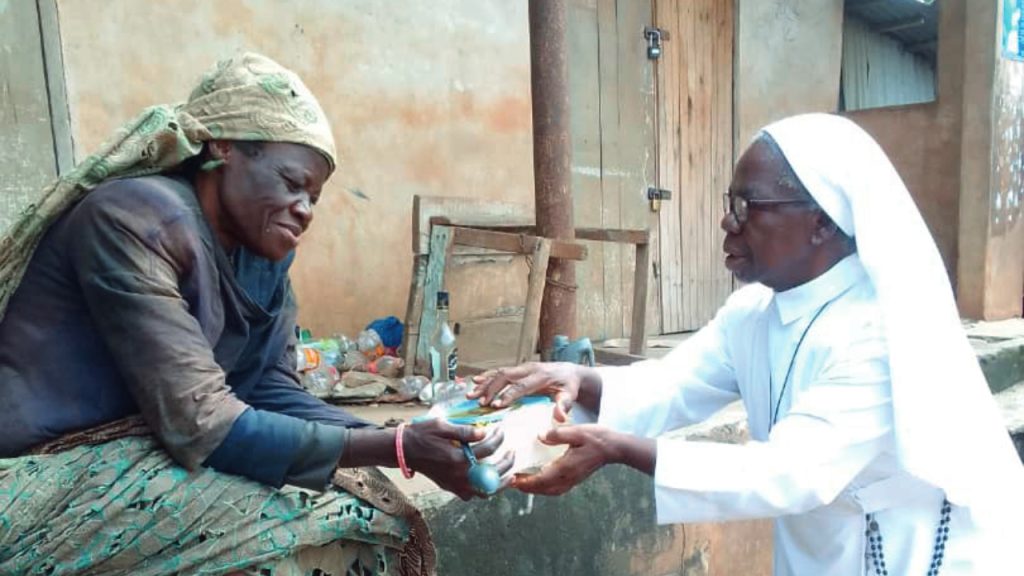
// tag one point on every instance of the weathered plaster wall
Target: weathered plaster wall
(1006, 251)
(424, 98)
(929, 166)
(788, 56)
(924, 141)
(991, 234)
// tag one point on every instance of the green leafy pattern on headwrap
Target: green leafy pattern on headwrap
(249, 97)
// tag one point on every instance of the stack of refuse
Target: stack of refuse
(365, 369)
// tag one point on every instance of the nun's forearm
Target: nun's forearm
(636, 452)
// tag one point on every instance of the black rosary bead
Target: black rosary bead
(874, 536)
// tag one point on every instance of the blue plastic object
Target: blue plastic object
(578, 352)
(389, 329)
(470, 413)
(483, 477)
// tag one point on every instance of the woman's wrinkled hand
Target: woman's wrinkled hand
(503, 386)
(590, 447)
(433, 448)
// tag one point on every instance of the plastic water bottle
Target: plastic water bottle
(387, 366)
(368, 342)
(411, 386)
(321, 381)
(352, 360)
(344, 343)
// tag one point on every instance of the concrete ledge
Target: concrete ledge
(606, 526)
(1011, 402)
(1000, 349)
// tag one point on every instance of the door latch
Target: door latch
(656, 195)
(654, 36)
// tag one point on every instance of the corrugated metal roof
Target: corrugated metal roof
(910, 22)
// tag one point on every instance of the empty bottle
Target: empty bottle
(368, 342)
(387, 366)
(411, 386)
(442, 344)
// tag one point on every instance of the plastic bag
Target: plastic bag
(369, 344)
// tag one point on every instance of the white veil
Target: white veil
(948, 429)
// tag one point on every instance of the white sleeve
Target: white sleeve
(691, 383)
(838, 425)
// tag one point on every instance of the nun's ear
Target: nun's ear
(825, 228)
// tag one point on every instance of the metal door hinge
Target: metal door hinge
(656, 195)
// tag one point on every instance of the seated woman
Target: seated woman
(160, 289)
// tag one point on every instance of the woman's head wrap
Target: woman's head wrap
(249, 97)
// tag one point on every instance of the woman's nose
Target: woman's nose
(304, 210)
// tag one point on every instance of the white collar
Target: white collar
(804, 299)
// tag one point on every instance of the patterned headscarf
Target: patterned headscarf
(249, 97)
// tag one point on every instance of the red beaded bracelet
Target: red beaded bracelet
(401, 453)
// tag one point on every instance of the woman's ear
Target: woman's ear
(219, 149)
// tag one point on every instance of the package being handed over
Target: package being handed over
(522, 423)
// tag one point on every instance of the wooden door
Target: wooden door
(611, 85)
(694, 88)
(32, 105)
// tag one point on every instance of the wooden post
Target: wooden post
(413, 312)
(538, 276)
(638, 328)
(440, 249)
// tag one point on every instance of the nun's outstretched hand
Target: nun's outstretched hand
(590, 447)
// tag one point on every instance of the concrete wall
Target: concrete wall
(424, 98)
(929, 166)
(924, 141)
(1006, 258)
(992, 176)
(604, 527)
(776, 76)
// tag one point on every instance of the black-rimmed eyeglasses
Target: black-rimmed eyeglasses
(740, 207)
